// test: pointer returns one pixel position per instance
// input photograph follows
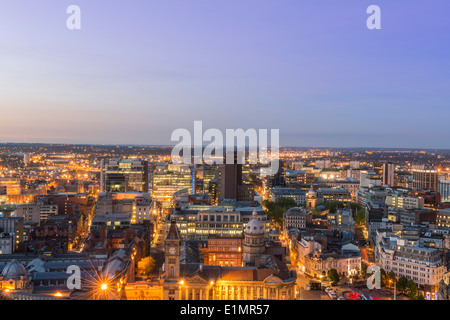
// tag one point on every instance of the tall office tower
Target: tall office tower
(231, 184)
(444, 190)
(26, 158)
(229, 177)
(378, 168)
(354, 164)
(209, 173)
(102, 175)
(126, 175)
(278, 179)
(425, 177)
(388, 173)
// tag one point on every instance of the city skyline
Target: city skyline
(133, 74)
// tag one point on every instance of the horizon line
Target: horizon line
(166, 146)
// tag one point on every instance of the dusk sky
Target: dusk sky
(137, 70)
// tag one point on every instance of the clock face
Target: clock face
(172, 250)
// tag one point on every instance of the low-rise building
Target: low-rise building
(297, 195)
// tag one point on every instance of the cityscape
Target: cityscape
(224, 157)
(131, 225)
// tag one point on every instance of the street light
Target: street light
(395, 288)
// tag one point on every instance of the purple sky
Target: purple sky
(137, 70)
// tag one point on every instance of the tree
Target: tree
(411, 289)
(420, 296)
(384, 278)
(364, 269)
(360, 217)
(333, 275)
(275, 210)
(390, 279)
(146, 265)
(401, 284)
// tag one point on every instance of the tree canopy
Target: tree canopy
(146, 265)
(333, 275)
(275, 210)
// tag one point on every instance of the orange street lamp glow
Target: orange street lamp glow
(104, 286)
(58, 294)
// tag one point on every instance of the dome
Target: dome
(254, 226)
(311, 193)
(14, 270)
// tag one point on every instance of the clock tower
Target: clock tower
(172, 246)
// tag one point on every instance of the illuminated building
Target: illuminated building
(425, 177)
(401, 201)
(12, 185)
(347, 262)
(444, 190)
(35, 213)
(253, 246)
(166, 180)
(311, 199)
(199, 222)
(294, 218)
(351, 184)
(210, 172)
(138, 205)
(388, 174)
(223, 251)
(443, 218)
(422, 265)
(13, 276)
(334, 194)
(126, 175)
(6, 243)
(13, 225)
(299, 178)
(270, 279)
(143, 290)
(297, 195)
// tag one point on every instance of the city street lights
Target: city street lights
(395, 288)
